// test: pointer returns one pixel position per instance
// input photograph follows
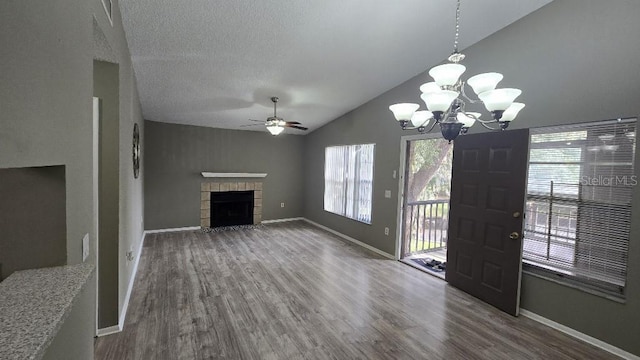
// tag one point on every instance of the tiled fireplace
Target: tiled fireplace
(206, 188)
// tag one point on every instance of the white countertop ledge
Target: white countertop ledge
(232, 175)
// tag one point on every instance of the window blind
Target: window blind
(579, 202)
(348, 185)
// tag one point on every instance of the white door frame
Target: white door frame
(96, 183)
(403, 160)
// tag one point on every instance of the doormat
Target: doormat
(431, 264)
(232, 228)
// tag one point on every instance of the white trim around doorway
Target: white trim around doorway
(401, 174)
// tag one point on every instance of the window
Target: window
(348, 181)
(579, 203)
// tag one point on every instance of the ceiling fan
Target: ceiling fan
(276, 124)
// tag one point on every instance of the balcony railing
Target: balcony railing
(426, 224)
(550, 231)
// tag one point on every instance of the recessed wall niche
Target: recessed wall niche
(33, 221)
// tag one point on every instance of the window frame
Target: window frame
(351, 184)
(573, 276)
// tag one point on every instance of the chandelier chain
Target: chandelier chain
(455, 41)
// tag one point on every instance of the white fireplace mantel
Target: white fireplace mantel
(232, 175)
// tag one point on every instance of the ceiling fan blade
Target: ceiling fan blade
(256, 120)
(296, 127)
(293, 123)
(248, 125)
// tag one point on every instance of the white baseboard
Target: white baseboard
(123, 314)
(349, 238)
(132, 280)
(578, 335)
(157, 231)
(110, 330)
(281, 220)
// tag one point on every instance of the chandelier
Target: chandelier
(446, 99)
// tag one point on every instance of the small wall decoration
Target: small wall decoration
(136, 151)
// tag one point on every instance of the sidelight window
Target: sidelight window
(348, 181)
(578, 210)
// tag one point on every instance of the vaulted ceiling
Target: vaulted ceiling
(216, 63)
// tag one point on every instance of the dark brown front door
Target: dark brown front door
(488, 185)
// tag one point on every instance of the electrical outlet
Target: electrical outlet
(85, 247)
(130, 255)
(386, 231)
(281, 205)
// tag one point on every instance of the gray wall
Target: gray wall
(369, 123)
(33, 217)
(74, 340)
(45, 97)
(575, 61)
(175, 155)
(106, 87)
(109, 44)
(46, 88)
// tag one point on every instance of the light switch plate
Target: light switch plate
(85, 247)
(387, 194)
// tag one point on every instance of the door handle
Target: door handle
(514, 235)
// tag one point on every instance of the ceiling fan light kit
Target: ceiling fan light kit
(446, 99)
(275, 129)
(275, 125)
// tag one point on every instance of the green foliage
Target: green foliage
(426, 154)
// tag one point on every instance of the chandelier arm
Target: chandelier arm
(422, 126)
(464, 94)
(492, 121)
(432, 125)
(484, 123)
(411, 128)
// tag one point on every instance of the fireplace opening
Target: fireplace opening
(231, 208)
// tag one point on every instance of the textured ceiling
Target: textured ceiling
(216, 63)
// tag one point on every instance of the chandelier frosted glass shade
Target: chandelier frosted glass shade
(512, 111)
(499, 99)
(275, 129)
(421, 118)
(447, 74)
(439, 100)
(484, 82)
(403, 111)
(429, 87)
(466, 120)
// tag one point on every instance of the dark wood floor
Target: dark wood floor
(292, 291)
